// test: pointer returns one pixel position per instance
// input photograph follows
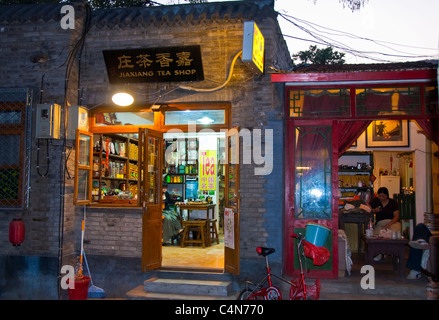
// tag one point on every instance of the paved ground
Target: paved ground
(388, 285)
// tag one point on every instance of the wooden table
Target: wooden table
(358, 216)
(205, 238)
(396, 248)
(207, 207)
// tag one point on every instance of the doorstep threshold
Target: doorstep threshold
(191, 269)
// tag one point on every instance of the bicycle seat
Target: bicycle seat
(262, 251)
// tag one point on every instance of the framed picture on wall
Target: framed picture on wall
(387, 133)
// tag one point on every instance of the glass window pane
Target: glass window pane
(320, 103)
(10, 117)
(84, 150)
(388, 101)
(313, 193)
(9, 184)
(153, 170)
(431, 100)
(124, 118)
(11, 143)
(195, 116)
(83, 184)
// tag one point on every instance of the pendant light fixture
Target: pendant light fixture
(123, 99)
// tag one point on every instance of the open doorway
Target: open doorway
(189, 184)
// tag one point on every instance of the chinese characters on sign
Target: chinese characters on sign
(207, 170)
(154, 65)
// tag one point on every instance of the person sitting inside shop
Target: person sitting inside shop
(419, 251)
(171, 221)
(386, 212)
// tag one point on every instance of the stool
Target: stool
(213, 231)
(200, 227)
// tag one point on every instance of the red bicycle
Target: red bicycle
(299, 289)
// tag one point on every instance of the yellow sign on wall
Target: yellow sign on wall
(207, 170)
(253, 47)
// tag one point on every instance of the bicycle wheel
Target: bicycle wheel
(244, 294)
(273, 293)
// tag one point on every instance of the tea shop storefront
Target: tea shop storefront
(195, 102)
(325, 114)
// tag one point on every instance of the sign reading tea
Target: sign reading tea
(171, 64)
(207, 170)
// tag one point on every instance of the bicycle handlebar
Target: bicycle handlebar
(297, 236)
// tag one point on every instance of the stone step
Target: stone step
(190, 275)
(139, 293)
(188, 286)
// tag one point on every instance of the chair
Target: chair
(213, 231)
(198, 226)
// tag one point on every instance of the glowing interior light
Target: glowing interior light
(123, 99)
(316, 193)
(205, 120)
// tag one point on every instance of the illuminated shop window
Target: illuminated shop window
(313, 191)
(200, 117)
(431, 100)
(320, 103)
(124, 118)
(388, 101)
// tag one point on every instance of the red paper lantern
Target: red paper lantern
(16, 232)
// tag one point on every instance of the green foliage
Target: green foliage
(353, 4)
(319, 56)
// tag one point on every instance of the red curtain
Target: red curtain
(430, 128)
(349, 131)
(325, 104)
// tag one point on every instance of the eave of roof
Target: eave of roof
(144, 16)
(420, 71)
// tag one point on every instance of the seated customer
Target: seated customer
(386, 214)
(386, 211)
(418, 250)
(171, 220)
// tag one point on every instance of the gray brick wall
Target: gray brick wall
(20, 43)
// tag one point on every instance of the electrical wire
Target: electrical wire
(325, 40)
(47, 159)
(339, 45)
(353, 36)
(77, 49)
(232, 66)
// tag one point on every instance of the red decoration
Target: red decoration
(16, 232)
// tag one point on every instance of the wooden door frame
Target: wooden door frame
(290, 221)
(232, 256)
(151, 241)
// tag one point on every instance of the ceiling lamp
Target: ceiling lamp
(205, 120)
(123, 99)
